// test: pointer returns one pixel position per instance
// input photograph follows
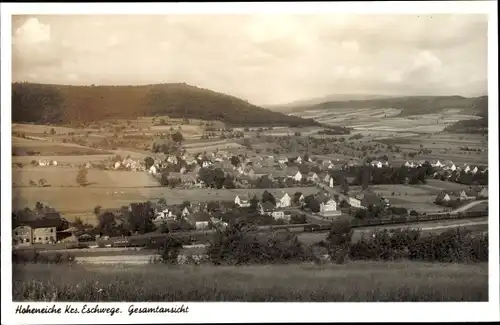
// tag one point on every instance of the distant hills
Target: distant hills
(60, 104)
(410, 105)
(300, 104)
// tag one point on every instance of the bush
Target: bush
(241, 243)
(170, 249)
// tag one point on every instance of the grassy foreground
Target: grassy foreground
(356, 281)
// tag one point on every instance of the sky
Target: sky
(267, 59)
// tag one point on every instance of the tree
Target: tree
(107, 224)
(42, 182)
(312, 203)
(229, 182)
(97, 210)
(235, 161)
(140, 218)
(148, 161)
(345, 187)
(81, 177)
(177, 137)
(254, 203)
(170, 250)
(162, 201)
(52, 131)
(268, 197)
(365, 178)
(298, 219)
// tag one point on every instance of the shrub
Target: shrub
(170, 249)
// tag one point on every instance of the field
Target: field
(41, 147)
(352, 282)
(72, 201)
(66, 177)
(418, 197)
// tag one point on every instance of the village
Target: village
(321, 192)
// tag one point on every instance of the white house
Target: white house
(205, 164)
(467, 169)
(280, 215)
(326, 179)
(329, 205)
(117, 165)
(185, 212)
(299, 160)
(284, 202)
(54, 163)
(312, 177)
(153, 169)
(377, 164)
(242, 201)
(354, 202)
(409, 164)
(475, 170)
(331, 182)
(297, 176)
(437, 164)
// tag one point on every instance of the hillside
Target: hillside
(60, 104)
(290, 107)
(410, 105)
(480, 108)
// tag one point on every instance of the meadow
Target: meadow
(73, 201)
(351, 282)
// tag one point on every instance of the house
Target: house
(328, 209)
(354, 202)
(54, 163)
(475, 170)
(466, 168)
(278, 214)
(313, 177)
(437, 164)
(200, 220)
(284, 202)
(483, 193)
(377, 164)
(266, 208)
(185, 212)
(294, 173)
(44, 231)
(326, 179)
(117, 165)
(278, 174)
(153, 170)
(409, 164)
(299, 160)
(242, 201)
(331, 182)
(22, 235)
(442, 197)
(282, 160)
(463, 196)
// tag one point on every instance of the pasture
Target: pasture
(351, 282)
(41, 147)
(66, 177)
(75, 201)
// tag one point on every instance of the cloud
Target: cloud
(267, 59)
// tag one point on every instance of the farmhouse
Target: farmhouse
(436, 163)
(284, 202)
(281, 215)
(328, 208)
(311, 176)
(366, 199)
(242, 201)
(266, 208)
(200, 220)
(294, 173)
(22, 235)
(442, 197)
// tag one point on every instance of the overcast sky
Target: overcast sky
(266, 59)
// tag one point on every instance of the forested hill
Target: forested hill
(58, 104)
(411, 105)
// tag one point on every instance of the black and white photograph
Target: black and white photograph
(185, 157)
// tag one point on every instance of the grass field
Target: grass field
(25, 147)
(66, 177)
(352, 282)
(73, 201)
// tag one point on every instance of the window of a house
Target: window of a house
(52, 238)
(27, 240)
(51, 230)
(46, 238)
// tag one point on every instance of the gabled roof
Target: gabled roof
(292, 171)
(243, 197)
(200, 216)
(268, 206)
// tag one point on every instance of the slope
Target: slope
(410, 105)
(59, 104)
